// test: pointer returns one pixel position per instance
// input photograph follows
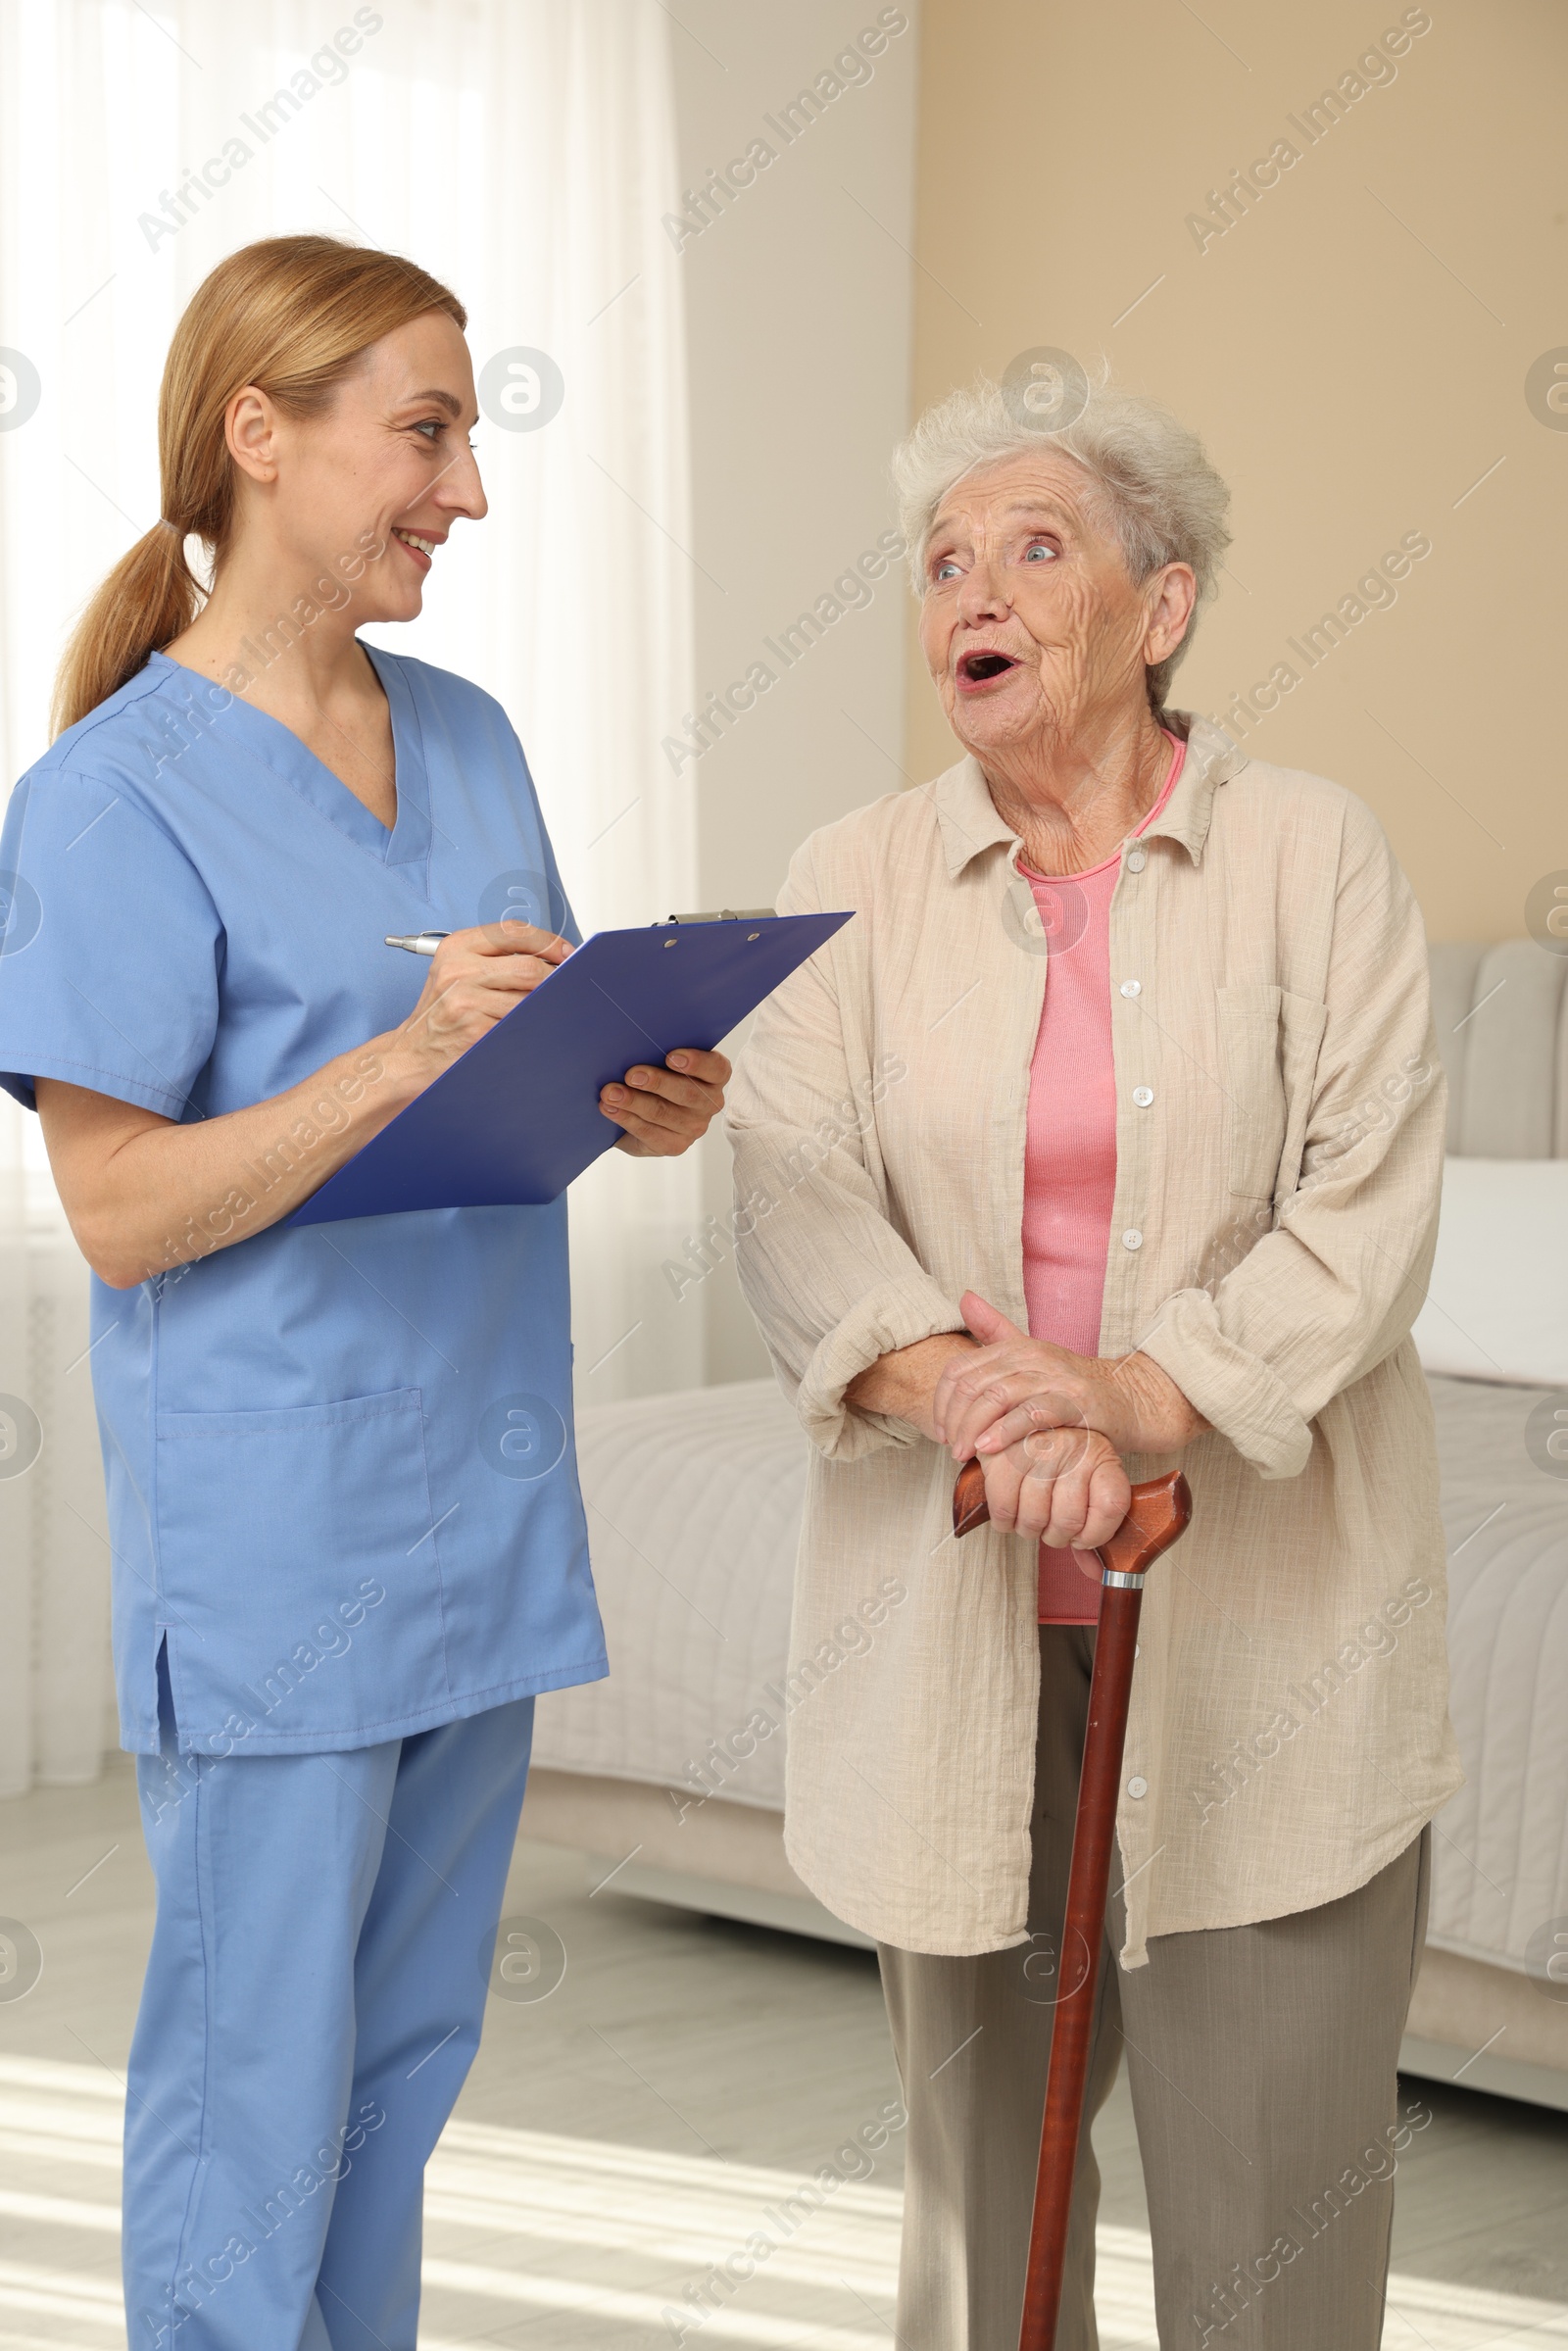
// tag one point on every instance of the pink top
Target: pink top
(1069, 1179)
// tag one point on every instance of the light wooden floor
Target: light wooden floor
(620, 2136)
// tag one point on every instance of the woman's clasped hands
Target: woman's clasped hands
(1049, 1427)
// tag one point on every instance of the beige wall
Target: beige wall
(1354, 351)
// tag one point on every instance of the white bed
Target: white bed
(671, 1772)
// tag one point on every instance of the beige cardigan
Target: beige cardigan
(1275, 1210)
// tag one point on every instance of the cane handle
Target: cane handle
(1157, 1517)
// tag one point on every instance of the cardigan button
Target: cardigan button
(1132, 1238)
(1143, 1096)
(1136, 860)
(1138, 1785)
(1131, 987)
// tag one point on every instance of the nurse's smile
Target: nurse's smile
(420, 549)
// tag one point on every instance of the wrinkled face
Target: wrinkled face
(365, 493)
(1032, 627)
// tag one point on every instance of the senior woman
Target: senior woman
(1108, 1137)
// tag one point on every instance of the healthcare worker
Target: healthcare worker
(348, 1543)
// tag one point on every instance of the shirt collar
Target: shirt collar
(969, 820)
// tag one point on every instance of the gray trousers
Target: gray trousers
(1261, 2061)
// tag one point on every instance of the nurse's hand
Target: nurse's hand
(664, 1111)
(475, 977)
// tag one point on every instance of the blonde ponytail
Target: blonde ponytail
(289, 315)
(146, 601)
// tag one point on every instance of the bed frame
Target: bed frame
(728, 1860)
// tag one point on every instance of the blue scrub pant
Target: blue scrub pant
(312, 2007)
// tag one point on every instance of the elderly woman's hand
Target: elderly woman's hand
(991, 1398)
(1065, 1487)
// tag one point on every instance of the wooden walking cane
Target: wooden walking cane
(1158, 1517)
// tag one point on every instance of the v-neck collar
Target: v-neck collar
(278, 747)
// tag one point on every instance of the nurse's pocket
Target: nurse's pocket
(299, 1573)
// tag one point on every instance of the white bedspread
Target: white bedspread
(694, 1505)
(693, 1513)
(1501, 1861)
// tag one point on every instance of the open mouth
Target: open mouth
(979, 669)
(423, 548)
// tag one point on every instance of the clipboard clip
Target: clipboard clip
(724, 914)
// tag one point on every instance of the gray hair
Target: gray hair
(1164, 501)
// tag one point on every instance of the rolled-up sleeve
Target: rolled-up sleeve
(832, 1284)
(1333, 1288)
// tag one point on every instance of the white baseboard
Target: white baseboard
(1502, 2077)
(799, 1914)
(754, 1906)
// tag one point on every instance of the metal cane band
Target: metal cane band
(1118, 1582)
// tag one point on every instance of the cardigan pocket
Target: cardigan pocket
(1254, 1087)
(1269, 1040)
(1302, 1021)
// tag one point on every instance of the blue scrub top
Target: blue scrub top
(342, 1482)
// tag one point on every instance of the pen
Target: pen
(425, 943)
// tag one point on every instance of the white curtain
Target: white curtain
(55, 1691)
(525, 151)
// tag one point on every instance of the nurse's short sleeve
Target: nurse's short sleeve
(109, 947)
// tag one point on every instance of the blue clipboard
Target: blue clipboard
(517, 1116)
